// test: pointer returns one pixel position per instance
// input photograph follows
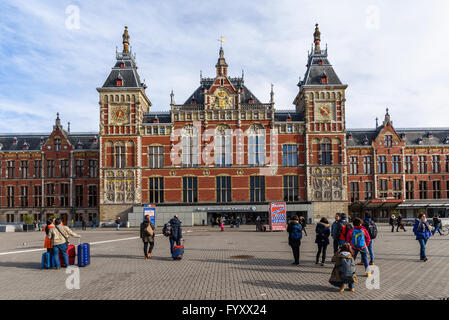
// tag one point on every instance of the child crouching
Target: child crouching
(344, 269)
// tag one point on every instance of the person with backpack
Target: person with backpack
(437, 226)
(423, 232)
(371, 227)
(294, 230)
(60, 239)
(343, 228)
(344, 269)
(322, 239)
(175, 232)
(334, 230)
(400, 225)
(147, 236)
(359, 239)
(392, 222)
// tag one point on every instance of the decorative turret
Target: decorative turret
(125, 40)
(222, 66)
(272, 95)
(387, 120)
(57, 122)
(317, 39)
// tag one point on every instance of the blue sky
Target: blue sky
(390, 54)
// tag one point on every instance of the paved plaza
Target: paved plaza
(235, 264)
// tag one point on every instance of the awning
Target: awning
(376, 204)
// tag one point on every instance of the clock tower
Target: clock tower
(123, 102)
(321, 99)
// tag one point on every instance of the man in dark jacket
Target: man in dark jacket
(400, 224)
(392, 222)
(294, 230)
(176, 232)
(322, 239)
(334, 230)
(437, 226)
(371, 227)
(147, 238)
(423, 232)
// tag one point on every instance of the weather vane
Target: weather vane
(222, 40)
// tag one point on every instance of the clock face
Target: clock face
(324, 111)
(119, 114)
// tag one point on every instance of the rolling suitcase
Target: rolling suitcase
(71, 253)
(83, 254)
(48, 261)
(178, 252)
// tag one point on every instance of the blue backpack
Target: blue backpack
(358, 239)
(296, 233)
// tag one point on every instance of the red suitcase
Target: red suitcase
(71, 253)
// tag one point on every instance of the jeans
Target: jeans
(117, 227)
(61, 247)
(392, 228)
(335, 245)
(371, 251)
(364, 253)
(145, 247)
(295, 250)
(422, 252)
(437, 229)
(172, 243)
(341, 242)
(321, 247)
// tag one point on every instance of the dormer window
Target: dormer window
(446, 140)
(192, 101)
(95, 139)
(349, 135)
(41, 141)
(251, 100)
(119, 82)
(320, 62)
(323, 79)
(365, 141)
(26, 146)
(419, 141)
(122, 65)
(403, 136)
(14, 140)
(429, 135)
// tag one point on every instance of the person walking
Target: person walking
(238, 222)
(72, 224)
(294, 230)
(117, 224)
(176, 232)
(147, 236)
(83, 224)
(344, 269)
(343, 227)
(400, 225)
(221, 224)
(303, 223)
(359, 239)
(47, 241)
(60, 237)
(371, 227)
(94, 222)
(423, 232)
(39, 225)
(437, 225)
(334, 230)
(322, 239)
(392, 222)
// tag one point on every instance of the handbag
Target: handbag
(149, 230)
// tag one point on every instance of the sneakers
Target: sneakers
(352, 290)
(368, 274)
(425, 259)
(342, 288)
(371, 263)
(149, 255)
(360, 263)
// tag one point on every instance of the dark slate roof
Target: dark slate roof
(128, 73)
(283, 115)
(315, 70)
(411, 136)
(163, 117)
(34, 141)
(206, 83)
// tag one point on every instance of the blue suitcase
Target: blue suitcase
(83, 254)
(178, 251)
(48, 261)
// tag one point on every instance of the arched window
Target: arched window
(256, 145)
(223, 146)
(189, 146)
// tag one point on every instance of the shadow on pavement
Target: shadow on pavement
(290, 286)
(21, 265)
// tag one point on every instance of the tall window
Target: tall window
(189, 147)
(436, 184)
(409, 189)
(24, 169)
(291, 188)
(24, 196)
(423, 189)
(447, 189)
(382, 164)
(447, 163)
(156, 190)
(50, 168)
(367, 164)
(11, 169)
(383, 188)
(289, 155)
(224, 189)
(92, 196)
(190, 189)
(93, 168)
(325, 153)
(353, 165)
(256, 146)
(422, 164)
(38, 168)
(155, 157)
(79, 195)
(408, 164)
(354, 191)
(257, 188)
(397, 188)
(388, 141)
(65, 168)
(436, 164)
(10, 197)
(396, 164)
(50, 194)
(64, 195)
(79, 168)
(57, 144)
(368, 186)
(223, 147)
(37, 196)
(119, 157)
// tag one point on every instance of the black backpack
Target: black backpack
(340, 227)
(167, 229)
(347, 269)
(371, 228)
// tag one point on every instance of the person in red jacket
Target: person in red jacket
(359, 239)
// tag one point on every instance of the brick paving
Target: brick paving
(209, 270)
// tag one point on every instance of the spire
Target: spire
(125, 40)
(272, 94)
(57, 122)
(172, 97)
(387, 120)
(377, 123)
(68, 126)
(222, 66)
(317, 39)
